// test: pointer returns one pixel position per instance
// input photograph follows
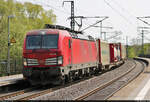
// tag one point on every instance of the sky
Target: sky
(122, 16)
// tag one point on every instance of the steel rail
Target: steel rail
(46, 91)
(32, 95)
(13, 94)
(126, 83)
(104, 85)
(37, 94)
(40, 93)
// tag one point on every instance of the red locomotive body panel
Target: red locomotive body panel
(42, 54)
(83, 51)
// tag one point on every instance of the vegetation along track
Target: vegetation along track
(106, 90)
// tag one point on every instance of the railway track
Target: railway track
(34, 92)
(17, 93)
(77, 90)
(106, 90)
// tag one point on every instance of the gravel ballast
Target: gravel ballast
(76, 90)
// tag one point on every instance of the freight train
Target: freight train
(58, 54)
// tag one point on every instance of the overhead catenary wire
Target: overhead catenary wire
(94, 23)
(125, 17)
(143, 21)
(50, 6)
(118, 12)
(60, 6)
(145, 37)
(123, 9)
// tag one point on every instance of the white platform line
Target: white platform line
(143, 92)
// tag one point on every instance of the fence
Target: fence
(15, 67)
(147, 56)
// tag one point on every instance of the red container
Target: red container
(113, 52)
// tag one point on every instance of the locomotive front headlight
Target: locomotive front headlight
(60, 60)
(25, 62)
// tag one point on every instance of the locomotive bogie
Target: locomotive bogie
(41, 76)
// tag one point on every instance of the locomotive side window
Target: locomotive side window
(42, 41)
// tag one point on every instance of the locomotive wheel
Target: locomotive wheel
(70, 78)
(63, 80)
(103, 69)
(90, 73)
(66, 78)
(97, 70)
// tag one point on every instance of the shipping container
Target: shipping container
(105, 53)
(113, 52)
(123, 48)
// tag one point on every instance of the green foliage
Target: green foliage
(135, 50)
(131, 52)
(147, 49)
(28, 16)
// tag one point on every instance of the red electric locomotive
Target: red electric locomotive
(58, 54)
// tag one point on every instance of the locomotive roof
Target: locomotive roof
(50, 26)
(56, 31)
(43, 31)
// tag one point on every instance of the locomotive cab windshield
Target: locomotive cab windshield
(48, 41)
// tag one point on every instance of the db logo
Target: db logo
(41, 62)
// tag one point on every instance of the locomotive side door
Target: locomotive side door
(70, 51)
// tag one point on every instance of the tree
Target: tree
(28, 16)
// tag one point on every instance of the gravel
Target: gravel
(108, 91)
(76, 90)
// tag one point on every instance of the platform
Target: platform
(6, 80)
(138, 89)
